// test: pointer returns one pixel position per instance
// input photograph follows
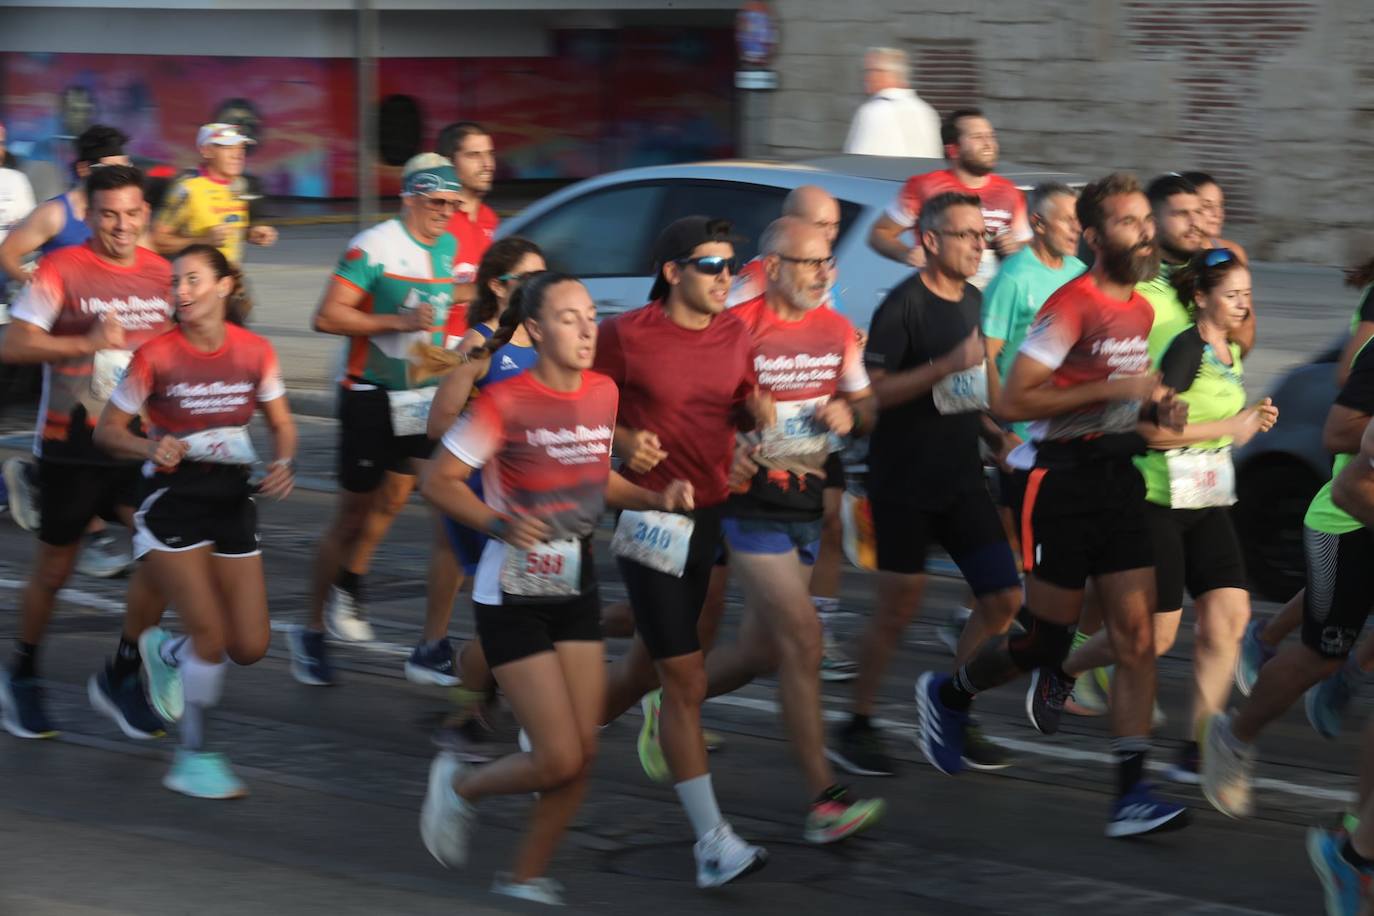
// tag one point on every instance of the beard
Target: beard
(801, 296)
(1131, 265)
(979, 167)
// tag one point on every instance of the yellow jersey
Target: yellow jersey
(196, 204)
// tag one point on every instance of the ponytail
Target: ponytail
(1203, 273)
(1361, 275)
(524, 304)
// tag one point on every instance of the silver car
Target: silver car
(603, 229)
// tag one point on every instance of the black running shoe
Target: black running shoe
(124, 702)
(982, 754)
(861, 751)
(1186, 768)
(1045, 699)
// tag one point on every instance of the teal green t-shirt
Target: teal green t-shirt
(1012, 299)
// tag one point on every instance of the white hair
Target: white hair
(889, 60)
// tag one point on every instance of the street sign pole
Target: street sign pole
(365, 34)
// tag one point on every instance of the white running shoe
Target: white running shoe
(21, 480)
(535, 890)
(722, 857)
(103, 557)
(835, 665)
(445, 819)
(344, 617)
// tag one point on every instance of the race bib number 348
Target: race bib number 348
(658, 540)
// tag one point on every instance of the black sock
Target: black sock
(958, 692)
(126, 659)
(25, 662)
(1130, 761)
(859, 723)
(1354, 858)
(349, 582)
(834, 792)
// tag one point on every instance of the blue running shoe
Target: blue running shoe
(309, 658)
(123, 701)
(939, 729)
(21, 707)
(1253, 656)
(432, 663)
(202, 775)
(1138, 812)
(1345, 885)
(1326, 703)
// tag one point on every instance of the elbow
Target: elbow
(1006, 409)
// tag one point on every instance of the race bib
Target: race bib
(987, 269)
(410, 410)
(797, 431)
(548, 570)
(107, 371)
(962, 392)
(658, 540)
(222, 445)
(1201, 478)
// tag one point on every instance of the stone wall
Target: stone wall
(1275, 97)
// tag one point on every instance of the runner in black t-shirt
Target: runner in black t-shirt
(927, 362)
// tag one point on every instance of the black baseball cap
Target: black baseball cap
(680, 239)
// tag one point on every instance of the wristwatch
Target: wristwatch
(289, 462)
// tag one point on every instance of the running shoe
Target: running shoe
(1088, 697)
(981, 753)
(836, 667)
(713, 740)
(939, 729)
(722, 857)
(1326, 703)
(124, 702)
(1227, 769)
(202, 775)
(445, 819)
(162, 678)
(103, 557)
(1186, 769)
(309, 658)
(1345, 886)
(839, 814)
(1045, 699)
(650, 750)
(1139, 812)
(535, 890)
(860, 750)
(345, 617)
(432, 663)
(21, 480)
(468, 736)
(1254, 654)
(952, 629)
(21, 707)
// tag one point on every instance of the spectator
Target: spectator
(894, 121)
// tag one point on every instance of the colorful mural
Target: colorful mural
(602, 101)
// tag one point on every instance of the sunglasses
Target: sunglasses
(1216, 256)
(712, 265)
(512, 278)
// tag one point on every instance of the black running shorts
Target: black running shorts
(198, 506)
(966, 526)
(1085, 520)
(666, 608)
(510, 632)
(71, 495)
(367, 448)
(1194, 548)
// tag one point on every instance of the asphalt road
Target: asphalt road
(337, 774)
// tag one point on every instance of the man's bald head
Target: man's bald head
(814, 205)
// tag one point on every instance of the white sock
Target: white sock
(202, 683)
(699, 801)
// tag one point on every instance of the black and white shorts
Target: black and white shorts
(1340, 589)
(199, 505)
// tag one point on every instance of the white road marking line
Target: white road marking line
(76, 596)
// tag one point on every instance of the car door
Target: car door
(605, 237)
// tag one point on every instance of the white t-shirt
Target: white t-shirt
(16, 199)
(895, 122)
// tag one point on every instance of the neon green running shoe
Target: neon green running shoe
(650, 750)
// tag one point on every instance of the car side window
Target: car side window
(604, 233)
(748, 207)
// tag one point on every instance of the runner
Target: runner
(1213, 201)
(543, 444)
(971, 148)
(211, 207)
(806, 356)
(1082, 375)
(925, 479)
(198, 385)
(87, 307)
(1189, 487)
(1336, 603)
(686, 385)
(1360, 277)
(390, 295)
(469, 146)
(55, 224)
(505, 264)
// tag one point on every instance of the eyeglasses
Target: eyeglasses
(1215, 256)
(712, 265)
(812, 263)
(967, 235)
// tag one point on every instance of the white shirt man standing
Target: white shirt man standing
(894, 121)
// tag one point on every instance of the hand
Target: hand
(524, 531)
(677, 497)
(1258, 419)
(1143, 387)
(837, 416)
(861, 338)
(420, 318)
(968, 353)
(1172, 411)
(262, 235)
(221, 233)
(107, 333)
(644, 451)
(1009, 442)
(167, 452)
(1005, 244)
(281, 477)
(916, 256)
(743, 467)
(762, 408)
